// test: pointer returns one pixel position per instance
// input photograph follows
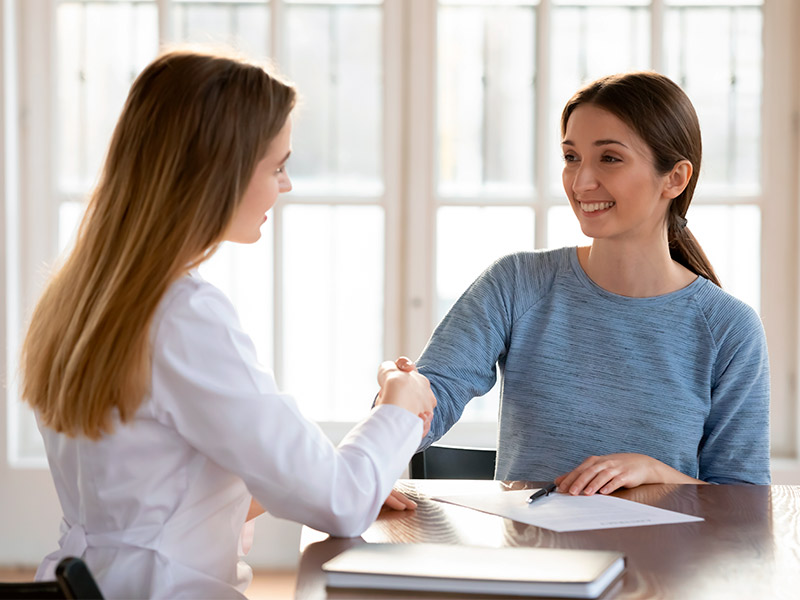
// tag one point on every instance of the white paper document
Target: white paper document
(562, 512)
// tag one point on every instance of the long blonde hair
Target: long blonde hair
(193, 128)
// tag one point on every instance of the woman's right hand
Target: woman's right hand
(404, 386)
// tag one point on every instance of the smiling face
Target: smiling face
(268, 181)
(610, 179)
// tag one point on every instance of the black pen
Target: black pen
(545, 491)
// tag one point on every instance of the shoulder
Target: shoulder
(536, 268)
(734, 326)
(539, 261)
(197, 334)
(192, 293)
(726, 315)
(193, 303)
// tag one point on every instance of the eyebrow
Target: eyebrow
(596, 143)
(285, 158)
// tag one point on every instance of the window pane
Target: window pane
(242, 24)
(594, 3)
(69, 217)
(334, 53)
(491, 3)
(333, 2)
(486, 59)
(731, 238)
(333, 282)
(468, 240)
(100, 50)
(590, 41)
(714, 2)
(244, 273)
(716, 54)
(563, 228)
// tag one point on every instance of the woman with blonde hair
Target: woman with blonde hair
(162, 431)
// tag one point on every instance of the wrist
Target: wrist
(669, 474)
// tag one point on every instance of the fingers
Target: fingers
(384, 370)
(604, 474)
(405, 364)
(398, 501)
(407, 388)
(588, 477)
(614, 484)
(427, 419)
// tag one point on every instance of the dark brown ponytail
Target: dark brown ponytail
(661, 114)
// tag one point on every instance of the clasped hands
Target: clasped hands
(404, 386)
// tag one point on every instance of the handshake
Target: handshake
(403, 385)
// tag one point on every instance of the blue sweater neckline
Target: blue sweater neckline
(587, 282)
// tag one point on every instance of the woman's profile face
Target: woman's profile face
(610, 179)
(268, 181)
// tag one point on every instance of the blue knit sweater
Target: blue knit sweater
(682, 377)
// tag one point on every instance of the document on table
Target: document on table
(562, 512)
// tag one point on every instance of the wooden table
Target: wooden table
(748, 546)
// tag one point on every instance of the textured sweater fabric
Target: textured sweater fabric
(683, 377)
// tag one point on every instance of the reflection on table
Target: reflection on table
(748, 546)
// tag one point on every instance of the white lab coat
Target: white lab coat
(156, 508)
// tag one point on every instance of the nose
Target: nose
(284, 183)
(583, 178)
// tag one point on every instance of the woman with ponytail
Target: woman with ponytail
(623, 362)
(163, 433)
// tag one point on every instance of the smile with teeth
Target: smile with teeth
(595, 206)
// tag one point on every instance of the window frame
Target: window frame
(779, 159)
(410, 198)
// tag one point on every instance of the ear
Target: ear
(676, 180)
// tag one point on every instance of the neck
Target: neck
(635, 270)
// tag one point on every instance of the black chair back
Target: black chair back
(453, 462)
(73, 582)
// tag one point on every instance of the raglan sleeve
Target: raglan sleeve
(460, 359)
(209, 386)
(735, 445)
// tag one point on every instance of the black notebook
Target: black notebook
(565, 573)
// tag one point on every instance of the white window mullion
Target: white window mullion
(657, 25)
(279, 52)
(780, 222)
(39, 211)
(10, 277)
(164, 21)
(420, 205)
(543, 152)
(393, 54)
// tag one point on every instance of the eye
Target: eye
(569, 157)
(610, 159)
(281, 170)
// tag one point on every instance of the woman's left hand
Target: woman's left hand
(604, 474)
(399, 501)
